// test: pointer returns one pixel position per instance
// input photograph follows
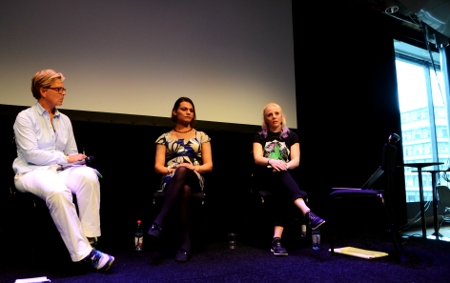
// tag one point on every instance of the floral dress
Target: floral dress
(182, 151)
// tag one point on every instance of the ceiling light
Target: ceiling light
(391, 6)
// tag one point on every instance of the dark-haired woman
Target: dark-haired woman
(183, 155)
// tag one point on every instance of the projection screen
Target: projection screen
(137, 57)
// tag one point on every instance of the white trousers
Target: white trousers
(56, 188)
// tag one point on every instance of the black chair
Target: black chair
(367, 200)
(34, 201)
(27, 217)
(30, 200)
(158, 197)
(444, 199)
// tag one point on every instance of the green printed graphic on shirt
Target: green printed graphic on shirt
(276, 150)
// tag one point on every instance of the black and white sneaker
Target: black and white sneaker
(98, 260)
(314, 220)
(277, 249)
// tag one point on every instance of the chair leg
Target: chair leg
(392, 227)
(331, 242)
(331, 221)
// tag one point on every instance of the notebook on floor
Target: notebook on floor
(367, 254)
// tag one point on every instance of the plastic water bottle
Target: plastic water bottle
(315, 235)
(303, 232)
(138, 237)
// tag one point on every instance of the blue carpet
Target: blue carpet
(421, 261)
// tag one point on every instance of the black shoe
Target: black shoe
(314, 220)
(182, 256)
(277, 248)
(155, 231)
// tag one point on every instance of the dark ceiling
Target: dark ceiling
(415, 15)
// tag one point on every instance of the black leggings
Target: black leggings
(285, 191)
(179, 191)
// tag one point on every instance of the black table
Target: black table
(419, 167)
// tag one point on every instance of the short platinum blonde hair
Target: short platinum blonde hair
(265, 127)
(44, 79)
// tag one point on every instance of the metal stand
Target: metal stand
(419, 167)
(435, 202)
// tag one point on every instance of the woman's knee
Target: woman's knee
(182, 171)
(187, 189)
(184, 175)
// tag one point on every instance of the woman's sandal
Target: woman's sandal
(182, 256)
(155, 230)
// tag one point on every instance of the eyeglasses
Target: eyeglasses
(58, 89)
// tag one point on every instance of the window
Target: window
(424, 115)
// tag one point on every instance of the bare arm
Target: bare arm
(207, 165)
(277, 165)
(258, 154)
(295, 156)
(160, 160)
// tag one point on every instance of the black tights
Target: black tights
(179, 192)
(285, 191)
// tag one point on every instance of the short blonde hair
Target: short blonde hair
(44, 79)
